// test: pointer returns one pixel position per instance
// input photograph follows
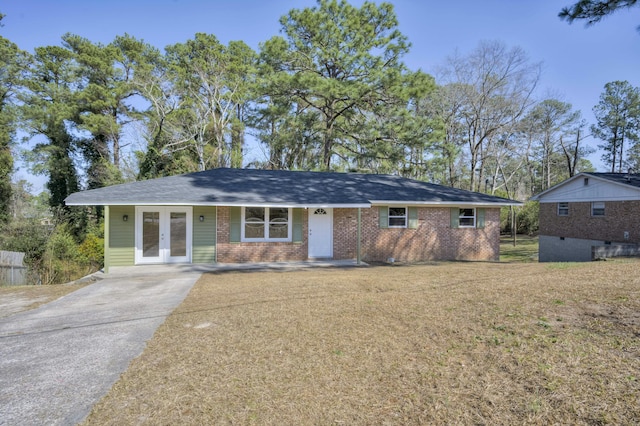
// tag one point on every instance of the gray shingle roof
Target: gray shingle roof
(632, 179)
(279, 187)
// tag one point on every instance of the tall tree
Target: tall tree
(445, 105)
(212, 81)
(550, 122)
(13, 63)
(337, 63)
(106, 73)
(593, 11)
(495, 85)
(153, 81)
(618, 123)
(49, 109)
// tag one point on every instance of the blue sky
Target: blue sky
(577, 61)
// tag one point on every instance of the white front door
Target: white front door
(321, 232)
(163, 234)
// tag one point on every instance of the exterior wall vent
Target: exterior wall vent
(586, 181)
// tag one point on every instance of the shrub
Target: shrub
(526, 219)
(92, 251)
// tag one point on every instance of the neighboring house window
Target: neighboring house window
(397, 217)
(467, 218)
(266, 224)
(597, 209)
(563, 209)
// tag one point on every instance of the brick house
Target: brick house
(588, 216)
(246, 215)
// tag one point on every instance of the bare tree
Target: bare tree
(497, 84)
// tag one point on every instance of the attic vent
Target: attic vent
(586, 181)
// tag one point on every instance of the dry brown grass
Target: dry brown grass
(15, 299)
(448, 343)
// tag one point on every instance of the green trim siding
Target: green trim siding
(383, 217)
(235, 224)
(121, 250)
(455, 217)
(204, 235)
(298, 221)
(412, 217)
(479, 218)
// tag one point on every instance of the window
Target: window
(397, 217)
(266, 224)
(563, 209)
(597, 209)
(467, 218)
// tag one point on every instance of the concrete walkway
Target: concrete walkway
(58, 360)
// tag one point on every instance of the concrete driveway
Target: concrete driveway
(58, 360)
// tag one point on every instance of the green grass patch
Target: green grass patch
(524, 250)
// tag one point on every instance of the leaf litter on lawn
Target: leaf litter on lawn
(444, 343)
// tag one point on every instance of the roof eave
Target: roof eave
(221, 204)
(446, 203)
(579, 175)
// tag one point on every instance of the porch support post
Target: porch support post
(106, 239)
(358, 255)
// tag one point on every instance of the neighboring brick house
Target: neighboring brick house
(247, 215)
(588, 216)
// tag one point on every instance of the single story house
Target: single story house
(589, 216)
(247, 215)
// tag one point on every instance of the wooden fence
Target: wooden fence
(12, 270)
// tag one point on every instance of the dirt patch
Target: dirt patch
(461, 343)
(14, 299)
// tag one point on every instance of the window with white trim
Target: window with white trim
(266, 224)
(563, 209)
(467, 218)
(597, 209)
(397, 217)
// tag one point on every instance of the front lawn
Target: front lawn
(445, 343)
(525, 249)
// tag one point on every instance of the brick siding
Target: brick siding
(434, 239)
(228, 252)
(620, 217)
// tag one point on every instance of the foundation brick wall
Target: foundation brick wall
(434, 239)
(620, 217)
(228, 252)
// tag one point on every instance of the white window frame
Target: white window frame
(405, 216)
(596, 206)
(266, 238)
(460, 217)
(563, 209)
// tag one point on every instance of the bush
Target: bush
(53, 254)
(62, 261)
(28, 236)
(92, 250)
(526, 219)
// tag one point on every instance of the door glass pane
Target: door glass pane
(150, 234)
(178, 234)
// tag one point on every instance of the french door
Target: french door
(163, 234)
